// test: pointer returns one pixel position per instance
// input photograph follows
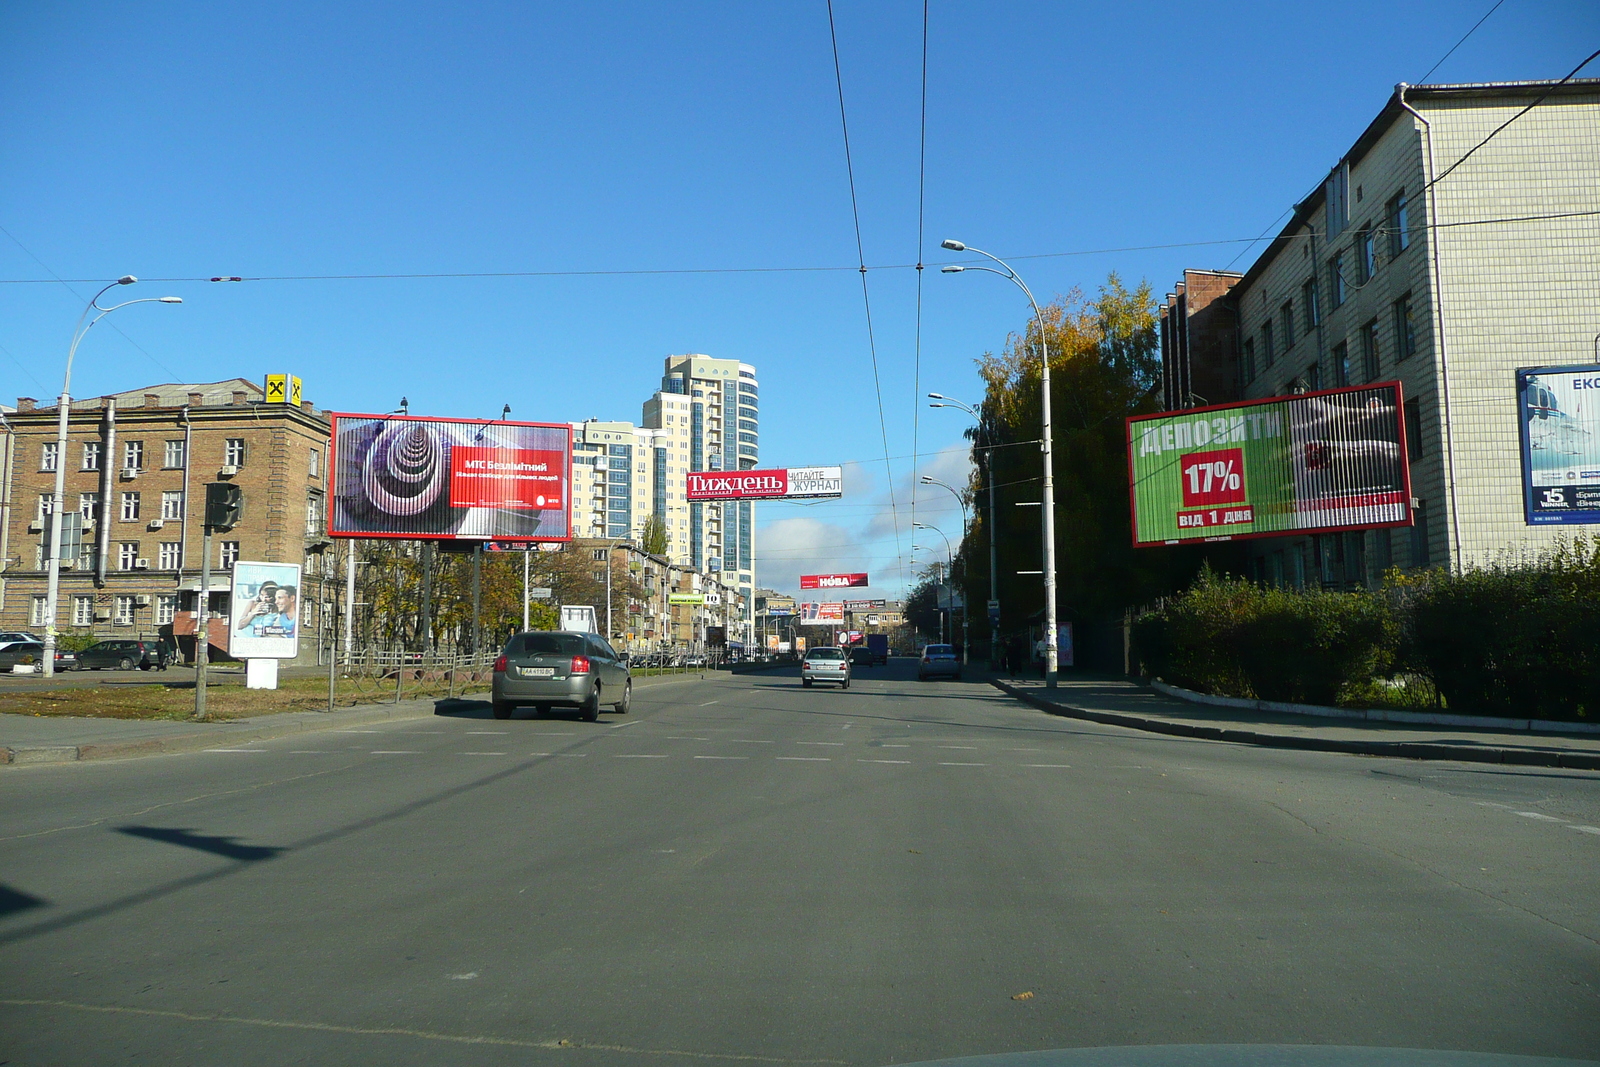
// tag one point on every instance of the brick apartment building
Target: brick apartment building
(136, 468)
(1431, 256)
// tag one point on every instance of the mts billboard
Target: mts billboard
(782, 483)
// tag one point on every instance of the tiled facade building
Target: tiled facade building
(136, 465)
(1443, 260)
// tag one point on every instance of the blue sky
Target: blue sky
(195, 139)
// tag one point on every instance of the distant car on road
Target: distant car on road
(862, 657)
(15, 652)
(124, 655)
(938, 660)
(825, 664)
(560, 668)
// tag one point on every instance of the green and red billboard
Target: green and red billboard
(1313, 463)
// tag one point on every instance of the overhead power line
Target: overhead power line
(1461, 42)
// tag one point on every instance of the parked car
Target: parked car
(560, 668)
(15, 652)
(9, 636)
(825, 664)
(938, 660)
(124, 655)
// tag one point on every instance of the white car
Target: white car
(825, 664)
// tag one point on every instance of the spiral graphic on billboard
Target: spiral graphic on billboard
(402, 476)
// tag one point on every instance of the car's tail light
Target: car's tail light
(500, 665)
(580, 665)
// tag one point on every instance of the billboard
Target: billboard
(264, 620)
(1332, 460)
(864, 605)
(831, 581)
(415, 477)
(821, 614)
(1559, 408)
(782, 483)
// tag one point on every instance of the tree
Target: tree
(653, 535)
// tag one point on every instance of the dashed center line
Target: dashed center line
(1538, 815)
(837, 743)
(722, 757)
(963, 764)
(486, 733)
(742, 741)
(808, 759)
(483, 753)
(682, 737)
(883, 761)
(396, 752)
(1066, 766)
(708, 703)
(894, 746)
(639, 755)
(970, 748)
(1585, 829)
(236, 750)
(354, 731)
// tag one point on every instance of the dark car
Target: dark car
(33, 652)
(560, 668)
(862, 657)
(123, 655)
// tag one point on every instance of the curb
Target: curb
(253, 730)
(1393, 749)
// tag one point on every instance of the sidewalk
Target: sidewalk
(64, 739)
(1116, 701)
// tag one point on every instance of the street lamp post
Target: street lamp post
(950, 568)
(965, 607)
(984, 456)
(612, 547)
(64, 406)
(1051, 650)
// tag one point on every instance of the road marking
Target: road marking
(496, 733)
(1068, 766)
(469, 976)
(1585, 829)
(682, 737)
(744, 741)
(708, 703)
(639, 755)
(883, 761)
(310, 751)
(482, 753)
(894, 746)
(538, 753)
(236, 750)
(838, 743)
(395, 752)
(1537, 815)
(620, 725)
(972, 748)
(355, 731)
(963, 764)
(808, 759)
(575, 755)
(722, 757)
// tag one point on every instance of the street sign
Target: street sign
(540, 593)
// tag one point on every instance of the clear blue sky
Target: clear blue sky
(186, 140)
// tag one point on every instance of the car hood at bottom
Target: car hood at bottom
(1250, 1056)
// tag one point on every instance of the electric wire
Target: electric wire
(1461, 42)
(922, 176)
(861, 259)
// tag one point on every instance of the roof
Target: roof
(172, 395)
(1414, 94)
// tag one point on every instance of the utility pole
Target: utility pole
(477, 596)
(224, 502)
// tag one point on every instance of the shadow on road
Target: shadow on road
(225, 847)
(14, 900)
(462, 708)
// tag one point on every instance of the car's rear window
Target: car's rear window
(825, 653)
(940, 650)
(549, 644)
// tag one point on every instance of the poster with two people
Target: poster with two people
(265, 619)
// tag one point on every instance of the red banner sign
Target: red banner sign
(506, 477)
(791, 483)
(831, 581)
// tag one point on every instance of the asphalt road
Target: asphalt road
(745, 871)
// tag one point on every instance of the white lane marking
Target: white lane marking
(1024, 750)
(311, 751)
(620, 725)
(685, 737)
(1068, 766)
(422, 733)
(1585, 829)
(883, 761)
(971, 748)
(744, 741)
(638, 755)
(236, 750)
(547, 733)
(496, 733)
(708, 703)
(722, 757)
(1481, 803)
(808, 759)
(837, 743)
(963, 764)
(575, 755)
(355, 731)
(894, 746)
(469, 976)
(538, 753)
(1538, 815)
(481, 753)
(396, 752)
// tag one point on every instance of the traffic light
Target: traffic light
(224, 503)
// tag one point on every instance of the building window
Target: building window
(166, 609)
(313, 513)
(1336, 200)
(1268, 349)
(130, 507)
(1336, 280)
(1308, 301)
(49, 455)
(1286, 323)
(46, 502)
(37, 614)
(1366, 255)
(127, 555)
(228, 554)
(1413, 413)
(1341, 364)
(1405, 328)
(133, 455)
(172, 455)
(233, 452)
(172, 504)
(1314, 377)
(123, 615)
(600, 555)
(749, 439)
(1398, 225)
(1369, 351)
(1249, 360)
(91, 455)
(88, 555)
(599, 576)
(169, 557)
(314, 464)
(83, 611)
(89, 506)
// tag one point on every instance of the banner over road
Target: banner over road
(832, 581)
(782, 483)
(1334, 460)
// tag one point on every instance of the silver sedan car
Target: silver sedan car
(825, 665)
(938, 660)
(561, 668)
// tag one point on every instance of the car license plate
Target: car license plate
(538, 672)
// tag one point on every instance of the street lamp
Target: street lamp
(926, 480)
(599, 526)
(942, 401)
(1051, 661)
(64, 406)
(950, 568)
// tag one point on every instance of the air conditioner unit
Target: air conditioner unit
(68, 564)
(141, 564)
(156, 524)
(102, 613)
(142, 599)
(228, 470)
(36, 526)
(130, 473)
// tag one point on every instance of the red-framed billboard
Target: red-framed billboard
(781, 483)
(417, 477)
(1312, 463)
(832, 581)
